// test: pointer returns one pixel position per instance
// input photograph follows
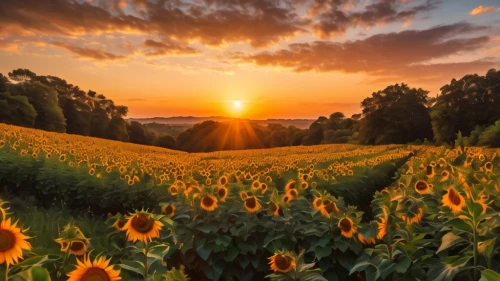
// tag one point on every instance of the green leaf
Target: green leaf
(231, 253)
(372, 273)
(486, 248)
(39, 274)
(204, 251)
(34, 261)
(450, 240)
(223, 240)
(403, 264)
(489, 275)
(360, 267)
(207, 228)
(134, 266)
(460, 224)
(386, 267)
(271, 237)
(446, 270)
(322, 252)
(312, 275)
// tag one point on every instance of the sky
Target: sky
(278, 58)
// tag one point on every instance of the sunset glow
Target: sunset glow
(288, 59)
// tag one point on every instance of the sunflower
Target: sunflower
(366, 240)
(444, 175)
(282, 262)
(482, 201)
(208, 203)
(222, 180)
(78, 247)
(290, 185)
(98, 270)
(287, 198)
(318, 203)
(313, 184)
(222, 193)
(169, 210)
(422, 187)
(304, 185)
(269, 179)
(12, 242)
(453, 200)
(413, 217)
(64, 245)
(252, 204)
(119, 224)
(274, 208)
(293, 193)
(173, 190)
(263, 188)
(430, 172)
(347, 227)
(243, 195)
(255, 184)
(383, 224)
(488, 167)
(328, 207)
(143, 227)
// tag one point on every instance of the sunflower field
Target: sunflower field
(81, 208)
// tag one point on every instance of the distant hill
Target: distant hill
(187, 121)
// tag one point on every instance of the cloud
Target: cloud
(211, 22)
(152, 48)
(481, 10)
(86, 53)
(332, 21)
(8, 45)
(384, 55)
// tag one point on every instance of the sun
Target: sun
(237, 104)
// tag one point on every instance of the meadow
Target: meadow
(83, 208)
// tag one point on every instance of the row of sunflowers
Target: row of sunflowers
(438, 220)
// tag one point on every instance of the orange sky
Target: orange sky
(280, 59)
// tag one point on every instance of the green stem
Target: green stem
(146, 262)
(7, 272)
(475, 246)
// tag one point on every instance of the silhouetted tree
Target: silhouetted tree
(398, 114)
(138, 133)
(44, 100)
(15, 110)
(117, 129)
(466, 103)
(165, 141)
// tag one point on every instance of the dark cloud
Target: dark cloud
(332, 20)
(152, 48)
(379, 55)
(87, 53)
(212, 22)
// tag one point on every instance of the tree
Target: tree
(398, 114)
(466, 103)
(73, 102)
(165, 141)
(44, 100)
(15, 110)
(21, 75)
(117, 129)
(139, 134)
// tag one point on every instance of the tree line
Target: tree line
(465, 112)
